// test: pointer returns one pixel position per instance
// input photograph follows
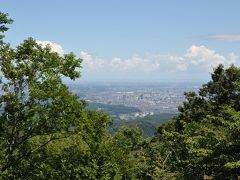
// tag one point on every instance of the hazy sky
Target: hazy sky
(133, 40)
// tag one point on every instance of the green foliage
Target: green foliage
(74, 158)
(38, 110)
(205, 136)
(3, 21)
(34, 100)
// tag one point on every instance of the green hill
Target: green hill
(148, 124)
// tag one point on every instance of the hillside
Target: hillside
(148, 124)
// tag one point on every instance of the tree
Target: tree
(3, 21)
(78, 156)
(34, 100)
(205, 137)
(36, 106)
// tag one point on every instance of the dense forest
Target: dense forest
(46, 132)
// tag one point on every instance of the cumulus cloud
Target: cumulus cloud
(202, 56)
(54, 46)
(92, 62)
(198, 58)
(132, 64)
(171, 62)
(225, 37)
(195, 59)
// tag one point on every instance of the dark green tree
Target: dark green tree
(34, 101)
(4, 20)
(37, 108)
(205, 137)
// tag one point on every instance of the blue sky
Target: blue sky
(133, 40)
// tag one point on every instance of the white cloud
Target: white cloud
(92, 62)
(196, 58)
(54, 46)
(132, 64)
(202, 56)
(225, 37)
(199, 59)
(171, 62)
